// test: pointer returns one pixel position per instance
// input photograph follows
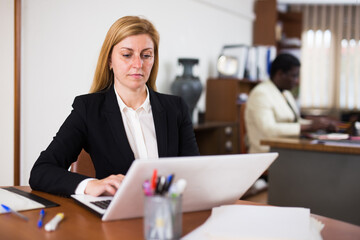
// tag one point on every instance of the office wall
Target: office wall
(6, 92)
(61, 42)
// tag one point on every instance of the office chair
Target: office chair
(83, 165)
(242, 129)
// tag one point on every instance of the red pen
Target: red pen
(153, 180)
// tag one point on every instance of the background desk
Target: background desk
(324, 178)
(80, 223)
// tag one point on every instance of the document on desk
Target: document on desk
(19, 200)
(329, 136)
(342, 143)
(232, 222)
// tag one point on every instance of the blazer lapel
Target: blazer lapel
(160, 121)
(281, 108)
(114, 118)
(292, 103)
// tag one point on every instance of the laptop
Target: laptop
(211, 181)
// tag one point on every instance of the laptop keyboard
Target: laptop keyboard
(102, 204)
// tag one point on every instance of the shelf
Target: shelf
(291, 24)
(270, 26)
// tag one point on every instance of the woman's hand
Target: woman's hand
(320, 123)
(325, 124)
(106, 186)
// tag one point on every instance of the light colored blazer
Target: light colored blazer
(267, 115)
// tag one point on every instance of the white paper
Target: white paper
(258, 222)
(17, 202)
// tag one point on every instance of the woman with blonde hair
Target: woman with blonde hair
(122, 119)
(124, 27)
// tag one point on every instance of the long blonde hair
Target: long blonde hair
(122, 28)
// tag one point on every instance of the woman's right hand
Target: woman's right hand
(106, 186)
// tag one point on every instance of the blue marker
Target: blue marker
(41, 217)
(168, 182)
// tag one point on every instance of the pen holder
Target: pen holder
(162, 217)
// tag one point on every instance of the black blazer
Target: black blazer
(95, 124)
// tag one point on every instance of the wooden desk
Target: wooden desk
(323, 178)
(307, 145)
(80, 223)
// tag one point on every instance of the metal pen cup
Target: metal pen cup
(162, 217)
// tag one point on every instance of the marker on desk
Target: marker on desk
(7, 209)
(52, 225)
(41, 218)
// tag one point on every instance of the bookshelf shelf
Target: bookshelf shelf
(272, 27)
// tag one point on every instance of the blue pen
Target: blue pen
(168, 182)
(7, 209)
(41, 217)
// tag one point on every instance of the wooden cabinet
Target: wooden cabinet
(265, 22)
(222, 98)
(223, 105)
(274, 28)
(216, 138)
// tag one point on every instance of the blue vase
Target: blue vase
(188, 86)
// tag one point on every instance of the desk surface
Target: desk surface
(307, 145)
(80, 223)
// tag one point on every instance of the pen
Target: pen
(41, 217)
(181, 184)
(168, 182)
(177, 188)
(7, 209)
(147, 188)
(52, 225)
(160, 185)
(153, 180)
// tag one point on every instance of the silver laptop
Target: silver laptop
(211, 181)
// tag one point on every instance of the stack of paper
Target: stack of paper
(258, 222)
